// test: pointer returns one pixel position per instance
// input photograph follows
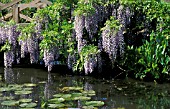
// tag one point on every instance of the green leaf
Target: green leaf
(28, 105)
(56, 100)
(22, 92)
(10, 103)
(94, 103)
(30, 85)
(60, 105)
(25, 100)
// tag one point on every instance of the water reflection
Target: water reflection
(88, 86)
(48, 89)
(118, 94)
(154, 100)
(9, 76)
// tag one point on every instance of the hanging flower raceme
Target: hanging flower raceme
(50, 55)
(112, 38)
(32, 45)
(8, 37)
(12, 34)
(90, 64)
(3, 34)
(8, 58)
(89, 58)
(28, 41)
(91, 23)
(79, 26)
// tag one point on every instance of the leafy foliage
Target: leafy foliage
(153, 56)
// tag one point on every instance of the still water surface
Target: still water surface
(117, 94)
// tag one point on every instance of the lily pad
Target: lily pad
(16, 89)
(30, 85)
(57, 100)
(28, 105)
(25, 100)
(28, 89)
(27, 108)
(119, 88)
(89, 92)
(57, 95)
(64, 89)
(10, 103)
(7, 98)
(23, 92)
(94, 103)
(83, 98)
(56, 105)
(76, 95)
(42, 82)
(5, 89)
(15, 85)
(66, 96)
(89, 107)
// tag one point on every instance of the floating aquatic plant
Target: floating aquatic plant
(30, 85)
(57, 95)
(7, 98)
(76, 94)
(27, 108)
(28, 105)
(83, 98)
(89, 92)
(65, 89)
(5, 89)
(25, 100)
(89, 107)
(69, 97)
(94, 103)
(57, 100)
(22, 92)
(42, 82)
(65, 96)
(56, 105)
(27, 89)
(15, 87)
(10, 103)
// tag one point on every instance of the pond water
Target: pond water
(116, 94)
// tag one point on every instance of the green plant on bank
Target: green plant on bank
(155, 53)
(153, 57)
